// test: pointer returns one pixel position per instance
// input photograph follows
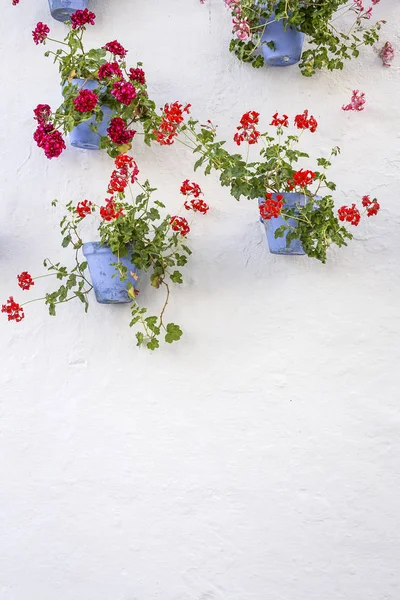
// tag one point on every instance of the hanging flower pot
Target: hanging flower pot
(282, 45)
(301, 217)
(278, 245)
(83, 136)
(269, 32)
(61, 10)
(103, 99)
(108, 287)
(134, 237)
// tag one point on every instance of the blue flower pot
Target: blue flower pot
(61, 10)
(82, 136)
(278, 245)
(288, 44)
(108, 287)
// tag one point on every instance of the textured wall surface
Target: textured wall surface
(258, 459)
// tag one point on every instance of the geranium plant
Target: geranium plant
(329, 46)
(277, 173)
(131, 227)
(119, 90)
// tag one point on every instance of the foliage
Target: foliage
(131, 227)
(329, 47)
(107, 67)
(277, 172)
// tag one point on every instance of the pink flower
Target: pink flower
(53, 144)
(49, 139)
(40, 33)
(124, 92)
(115, 48)
(15, 2)
(137, 75)
(357, 101)
(85, 101)
(387, 54)
(80, 18)
(241, 27)
(109, 70)
(42, 113)
(42, 130)
(119, 133)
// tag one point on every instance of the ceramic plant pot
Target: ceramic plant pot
(278, 245)
(108, 287)
(288, 44)
(82, 136)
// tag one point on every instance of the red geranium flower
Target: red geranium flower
(276, 121)
(115, 48)
(172, 117)
(14, 311)
(180, 225)
(84, 208)
(85, 101)
(25, 281)
(80, 18)
(246, 130)
(110, 211)
(303, 122)
(351, 214)
(188, 188)
(301, 178)
(40, 33)
(197, 205)
(270, 208)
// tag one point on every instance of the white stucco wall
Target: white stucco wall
(257, 459)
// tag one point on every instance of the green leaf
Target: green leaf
(176, 277)
(153, 344)
(174, 333)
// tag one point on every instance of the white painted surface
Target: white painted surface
(258, 459)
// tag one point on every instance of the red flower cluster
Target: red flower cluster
(49, 139)
(190, 189)
(85, 101)
(180, 225)
(301, 178)
(277, 122)
(14, 311)
(84, 208)
(127, 170)
(137, 75)
(40, 33)
(372, 206)
(351, 214)
(25, 281)
(110, 211)
(270, 208)
(119, 133)
(303, 122)
(15, 2)
(124, 92)
(115, 48)
(42, 113)
(246, 130)
(172, 117)
(109, 70)
(80, 18)
(196, 204)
